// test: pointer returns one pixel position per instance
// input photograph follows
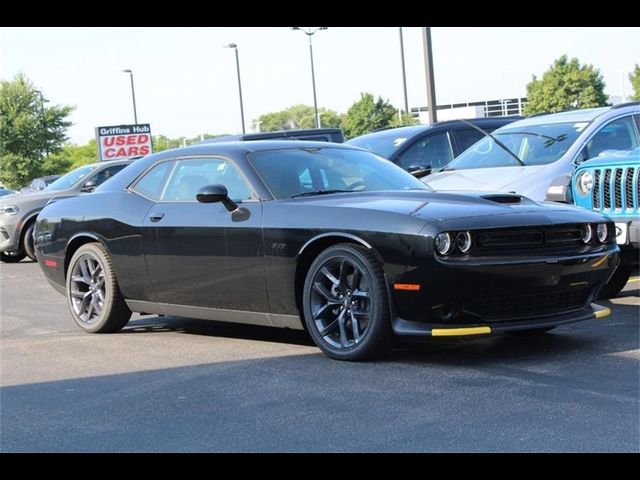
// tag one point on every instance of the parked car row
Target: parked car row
(320, 236)
(343, 243)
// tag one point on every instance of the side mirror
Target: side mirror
(89, 186)
(419, 170)
(214, 194)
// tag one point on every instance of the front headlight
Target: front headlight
(585, 182)
(9, 210)
(444, 245)
(586, 233)
(602, 232)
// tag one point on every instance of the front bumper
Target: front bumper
(406, 328)
(8, 236)
(499, 293)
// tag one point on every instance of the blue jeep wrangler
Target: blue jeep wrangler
(610, 183)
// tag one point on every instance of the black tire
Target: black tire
(27, 242)
(616, 283)
(351, 307)
(85, 288)
(530, 333)
(12, 257)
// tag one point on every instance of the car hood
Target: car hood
(447, 206)
(31, 200)
(497, 179)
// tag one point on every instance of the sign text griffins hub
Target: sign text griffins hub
(123, 141)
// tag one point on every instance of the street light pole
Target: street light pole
(404, 75)
(235, 47)
(310, 33)
(428, 67)
(133, 96)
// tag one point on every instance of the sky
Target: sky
(186, 84)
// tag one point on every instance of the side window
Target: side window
(621, 134)
(467, 137)
(434, 150)
(191, 175)
(104, 175)
(152, 184)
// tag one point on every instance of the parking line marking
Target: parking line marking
(634, 279)
(635, 354)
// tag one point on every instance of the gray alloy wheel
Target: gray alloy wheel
(93, 295)
(27, 242)
(346, 304)
(12, 257)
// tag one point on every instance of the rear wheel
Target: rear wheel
(346, 304)
(93, 295)
(616, 283)
(27, 243)
(12, 257)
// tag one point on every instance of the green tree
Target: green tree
(296, 117)
(29, 132)
(566, 85)
(368, 114)
(634, 77)
(76, 155)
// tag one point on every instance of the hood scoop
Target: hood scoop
(504, 198)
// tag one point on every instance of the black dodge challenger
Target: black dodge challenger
(319, 236)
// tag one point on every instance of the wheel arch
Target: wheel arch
(312, 248)
(75, 243)
(23, 225)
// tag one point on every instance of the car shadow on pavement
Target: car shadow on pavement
(590, 336)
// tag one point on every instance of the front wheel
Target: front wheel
(12, 257)
(346, 304)
(27, 243)
(93, 295)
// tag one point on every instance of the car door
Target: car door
(200, 254)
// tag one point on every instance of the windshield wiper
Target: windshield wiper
(498, 142)
(318, 192)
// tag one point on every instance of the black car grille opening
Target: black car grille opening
(615, 189)
(528, 239)
(500, 306)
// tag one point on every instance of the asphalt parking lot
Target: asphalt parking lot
(166, 384)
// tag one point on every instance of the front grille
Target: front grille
(529, 238)
(616, 190)
(543, 301)
(606, 189)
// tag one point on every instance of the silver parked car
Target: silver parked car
(540, 151)
(18, 212)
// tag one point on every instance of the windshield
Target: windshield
(303, 171)
(383, 143)
(71, 178)
(533, 144)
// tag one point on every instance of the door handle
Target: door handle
(156, 217)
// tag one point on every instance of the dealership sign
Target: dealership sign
(123, 141)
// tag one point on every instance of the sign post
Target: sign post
(123, 141)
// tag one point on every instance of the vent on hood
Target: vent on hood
(503, 198)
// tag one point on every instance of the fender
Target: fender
(334, 234)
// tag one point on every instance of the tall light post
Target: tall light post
(43, 120)
(310, 32)
(133, 96)
(235, 47)
(428, 68)
(404, 74)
